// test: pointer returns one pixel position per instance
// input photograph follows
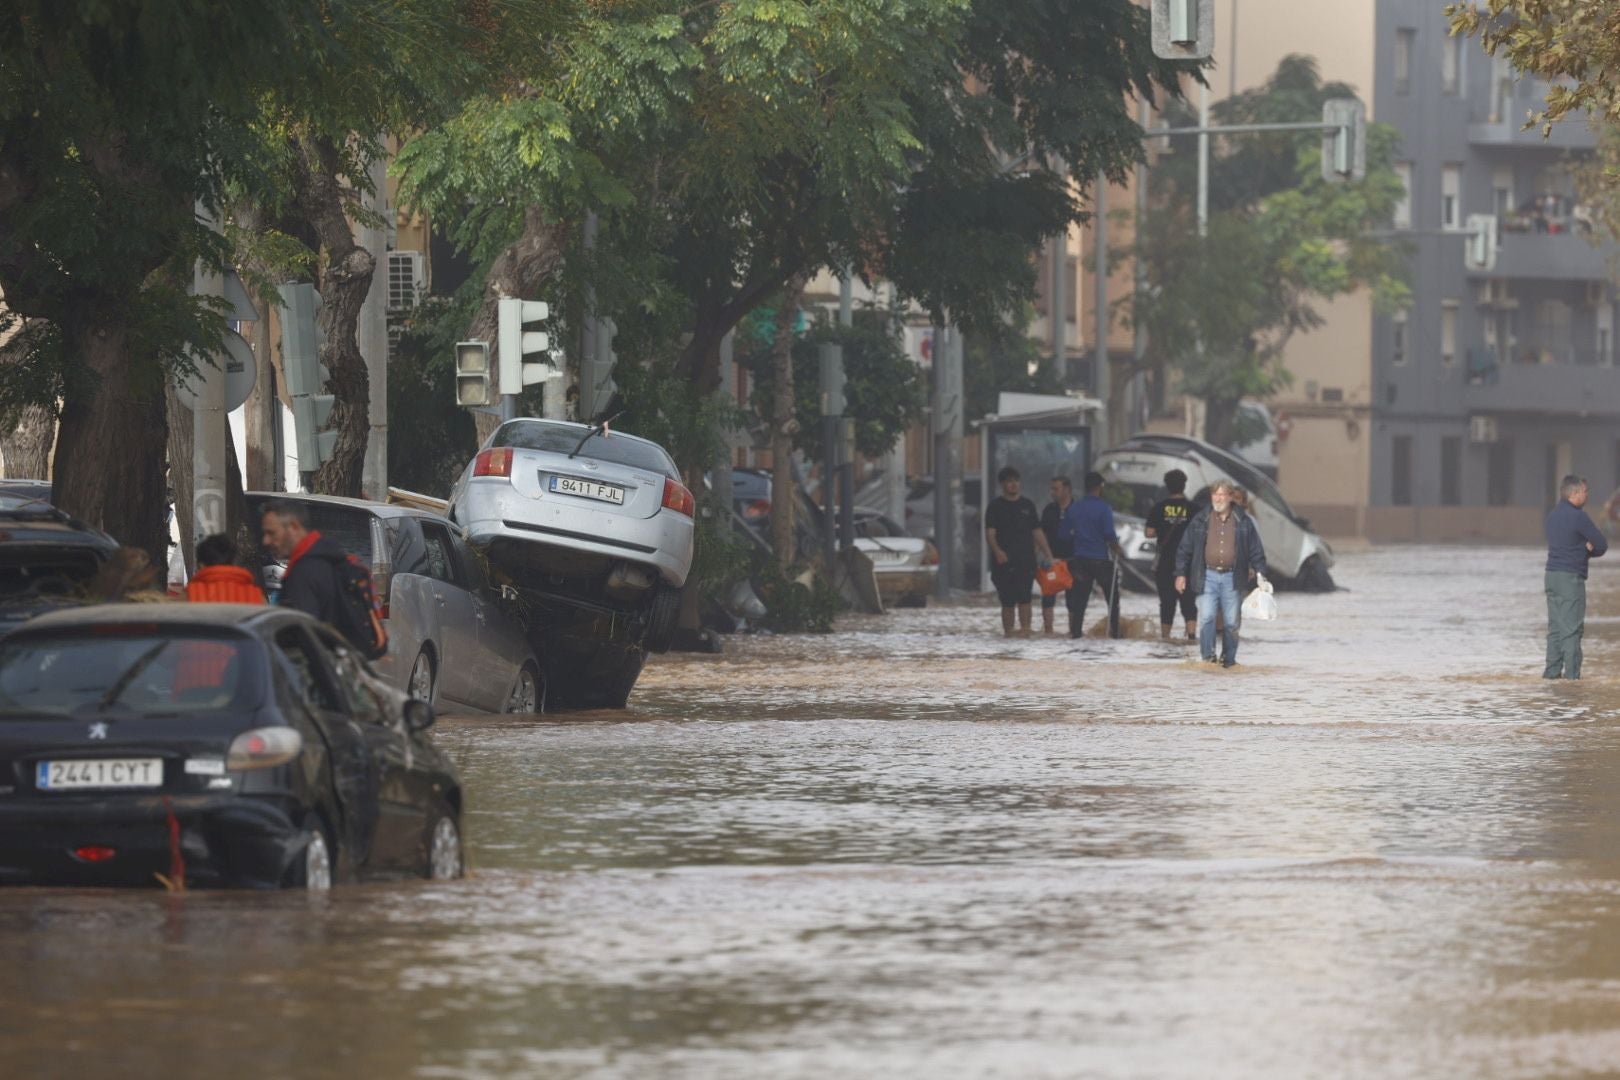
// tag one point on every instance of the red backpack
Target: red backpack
(359, 613)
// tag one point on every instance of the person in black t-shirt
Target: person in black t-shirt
(1012, 531)
(1051, 518)
(1167, 524)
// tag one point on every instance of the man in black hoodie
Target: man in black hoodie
(311, 582)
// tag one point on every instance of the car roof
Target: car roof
(177, 613)
(384, 510)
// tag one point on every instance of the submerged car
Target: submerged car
(583, 517)
(47, 558)
(450, 640)
(235, 745)
(1298, 558)
(906, 567)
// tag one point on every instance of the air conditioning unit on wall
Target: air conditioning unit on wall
(1482, 429)
(404, 280)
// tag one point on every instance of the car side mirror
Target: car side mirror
(418, 715)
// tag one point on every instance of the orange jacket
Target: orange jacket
(224, 585)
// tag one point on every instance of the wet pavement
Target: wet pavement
(1381, 846)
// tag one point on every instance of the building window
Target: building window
(1448, 332)
(1397, 344)
(1400, 489)
(1450, 196)
(1403, 60)
(1403, 204)
(1450, 64)
(1451, 470)
(1502, 192)
(1499, 473)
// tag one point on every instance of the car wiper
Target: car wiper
(116, 690)
(595, 429)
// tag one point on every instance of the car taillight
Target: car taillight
(757, 509)
(930, 555)
(678, 499)
(263, 748)
(379, 584)
(93, 853)
(496, 461)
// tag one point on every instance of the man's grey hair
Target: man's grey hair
(1569, 485)
(1223, 485)
(287, 510)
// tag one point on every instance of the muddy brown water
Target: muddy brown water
(1381, 847)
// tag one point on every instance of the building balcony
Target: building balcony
(1573, 134)
(1543, 381)
(1562, 256)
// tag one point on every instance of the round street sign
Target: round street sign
(240, 372)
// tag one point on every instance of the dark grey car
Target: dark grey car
(450, 641)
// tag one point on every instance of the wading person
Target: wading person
(1088, 527)
(1220, 556)
(1167, 523)
(1051, 520)
(218, 579)
(1572, 540)
(1012, 530)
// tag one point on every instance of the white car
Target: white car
(906, 567)
(581, 515)
(1298, 558)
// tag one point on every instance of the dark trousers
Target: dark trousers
(1089, 572)
(1566, 621)
(1164, 576)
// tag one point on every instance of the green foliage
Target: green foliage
(662, 406)
(1002, 357)
(430, 439)
(792, 607)
(884, 391)
(1574, 45)
(1221, 309)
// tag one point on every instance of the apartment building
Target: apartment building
(1493, 383)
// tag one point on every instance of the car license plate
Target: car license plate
(588, 489)
(99, 773)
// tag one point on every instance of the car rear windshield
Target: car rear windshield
(29, 573)
(562, 438)
(121, 670)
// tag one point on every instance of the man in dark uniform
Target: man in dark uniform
(1011, 529)
(1167, 524)
(1051, 520)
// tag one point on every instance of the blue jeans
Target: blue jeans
(1220, 594)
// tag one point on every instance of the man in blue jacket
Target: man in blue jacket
(1087, 528)
(1220, 556)
(1572, 540)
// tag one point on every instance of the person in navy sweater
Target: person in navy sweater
(1573, 539)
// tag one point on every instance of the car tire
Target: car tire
(311, 868)
(663, 616)
(527, 696)
(423, 679)
(1313, 576)
(446, 859)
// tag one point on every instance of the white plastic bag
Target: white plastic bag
(1260, 604)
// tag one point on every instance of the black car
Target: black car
(230, 744)
(47, 558)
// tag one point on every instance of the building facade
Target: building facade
(1494, 383)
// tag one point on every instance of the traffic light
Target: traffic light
(517, 344)
(472, 374)
(1479, 251)
(306, 378)
(1183, 29)
(1344, 143)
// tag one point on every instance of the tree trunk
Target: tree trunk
(783, 423)
(182, 478)
(111, 444)
(27, 448)
(523, 270)
(346, 274)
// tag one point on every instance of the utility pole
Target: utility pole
(1059, 307)
(723, 489)
(208, 418)
(373, 338)
(1103, 376)
(846, 439)
(831, 361)
(948, 428)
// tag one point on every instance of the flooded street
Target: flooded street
(1381, 846)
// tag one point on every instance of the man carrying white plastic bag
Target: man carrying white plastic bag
(1220, 554)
